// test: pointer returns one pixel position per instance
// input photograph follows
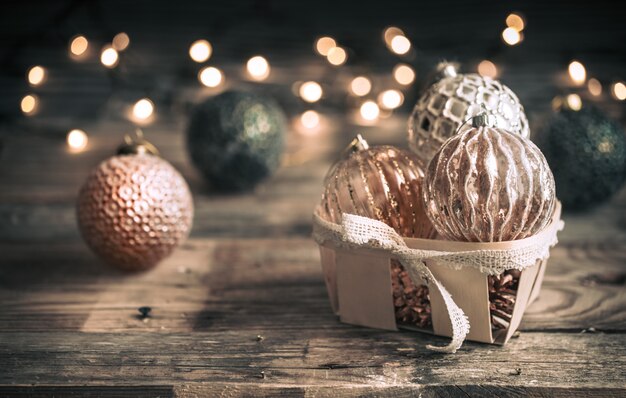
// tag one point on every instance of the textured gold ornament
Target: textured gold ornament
(383, 183)
(488, 185)
(134, 209)
(448, 103)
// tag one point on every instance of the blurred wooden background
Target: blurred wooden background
(69, 325)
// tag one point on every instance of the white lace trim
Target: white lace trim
(357, 231)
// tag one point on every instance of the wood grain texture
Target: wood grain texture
(69, 325)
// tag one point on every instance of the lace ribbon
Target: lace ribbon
(358, 231)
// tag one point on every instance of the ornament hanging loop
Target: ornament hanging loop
(358, 144)
(137, 145)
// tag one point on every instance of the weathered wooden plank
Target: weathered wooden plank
(310, 358)
(268, 283)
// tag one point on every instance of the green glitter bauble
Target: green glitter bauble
(236, 139)
(587, 154)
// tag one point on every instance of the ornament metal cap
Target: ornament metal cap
(356, 145)
(137, 145)
(446, 69)
(485, 120)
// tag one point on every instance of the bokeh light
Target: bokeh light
(511, 36)
(619, 91)
(200, 50)
(400, 45)
(403, 74)
(595, 87)
(29, 104)
(487, 68)
(574, 102)
(390, 99)
(360, 86)
(369, 111)
(324, 44)
(121, 41)
(77, 140)
(310, 119)
(515, 21)
(210, 76)
(311, 91)
(109, 57)
(337, 56)
(36, 75)
(143, 109)
(390, 33)
(258, 68)
(79, 46)
(577, 73)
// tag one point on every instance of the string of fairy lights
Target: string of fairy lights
(373, 106)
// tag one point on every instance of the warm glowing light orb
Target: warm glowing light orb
(258, 68)
(337, 56)
(487, 68)
(324, 44)
(79, 46)
(109, 57)
(200, 50)
(310, 119)
(77, 140)
(143, 109)
(210, 76)
(121, 41)
(400, 45)
(369, 110)
(29, 104)
(619, 91)
(311, 91)
(515, 21)
(36, 75)
(360, 86)
(390, 33)
(390, 99)
(595, 87)
(577, 73)
(511, 36)
(574, 102)
(404, 74)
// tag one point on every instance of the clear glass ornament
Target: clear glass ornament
(447, 104)
(488, 185)
(383, 183)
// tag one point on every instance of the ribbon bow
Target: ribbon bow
(363, 231)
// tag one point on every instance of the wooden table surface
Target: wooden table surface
(69, 325)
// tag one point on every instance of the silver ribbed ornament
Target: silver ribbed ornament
(447, 104)
(486, 184)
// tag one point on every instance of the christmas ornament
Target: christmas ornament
(448, 103)
(587, 153)
(383, 183)
(236, 139)
(134, 208)
(488, 185)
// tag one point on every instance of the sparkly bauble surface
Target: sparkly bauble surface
(383, 183)
(587, 154)
(449, 103)
(488, 185)
(236, 139)
(134, 210)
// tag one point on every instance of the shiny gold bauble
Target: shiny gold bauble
(383, 183)
(134, 210)
(488, 185)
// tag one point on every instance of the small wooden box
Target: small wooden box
(360, 291)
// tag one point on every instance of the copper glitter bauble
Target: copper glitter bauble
(383, 183)
(134, 210)
(488, 185)
(447, 104)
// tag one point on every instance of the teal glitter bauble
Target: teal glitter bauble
(587, 154)
(236, 139)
